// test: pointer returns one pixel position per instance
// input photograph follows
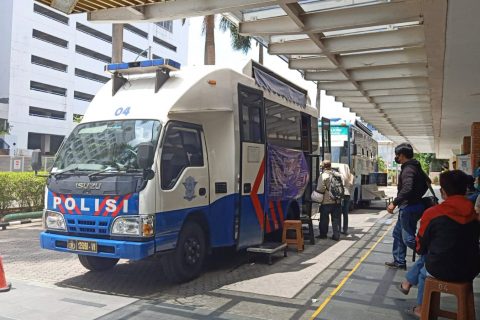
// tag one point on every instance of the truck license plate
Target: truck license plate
(80, 245)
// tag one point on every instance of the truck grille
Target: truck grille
(88, 224)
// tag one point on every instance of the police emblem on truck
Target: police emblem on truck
(189, 184)
(88, 185)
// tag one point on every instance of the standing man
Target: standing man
(347, 179)
(412, 185)
(331, 186)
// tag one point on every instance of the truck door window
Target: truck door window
(182, 148)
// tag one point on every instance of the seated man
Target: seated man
(447, 239)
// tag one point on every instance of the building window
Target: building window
(46, 113)
(47, 143)
(134, 49)
(49, 63)
(43, 87)
(93, 54)
(136, 30)
(49, 38)
(166, 25)
(90, 75)
(164, 44)
(90, 31)
(50, 14)
(83, 96)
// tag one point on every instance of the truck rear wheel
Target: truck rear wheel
(186, 262)
(97, 263)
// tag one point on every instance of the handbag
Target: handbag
(429, 201)
(316, 196)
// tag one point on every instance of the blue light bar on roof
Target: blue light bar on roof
(140, 65)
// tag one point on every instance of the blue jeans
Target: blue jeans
(405, 230)
(335, 211)
(416, 276)
(345, 209)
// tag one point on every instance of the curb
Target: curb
(4, 225)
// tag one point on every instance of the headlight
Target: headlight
(133, 226)
(54, 220)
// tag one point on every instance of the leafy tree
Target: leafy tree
(238, 42)
(425, 159)
(4, 127)
(382, 167)
(77, 118)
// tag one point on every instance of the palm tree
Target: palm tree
(239, 42)
(209, 31)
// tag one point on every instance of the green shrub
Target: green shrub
(21, 190)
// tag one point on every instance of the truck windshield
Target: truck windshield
(106, 144)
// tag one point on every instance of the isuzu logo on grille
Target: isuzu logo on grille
(88, 185)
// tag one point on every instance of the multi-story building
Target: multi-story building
(51, 66)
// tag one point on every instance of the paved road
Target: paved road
(230, 288)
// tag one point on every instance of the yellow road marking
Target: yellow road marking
(340, 285)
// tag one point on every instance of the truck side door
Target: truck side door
(184, 179)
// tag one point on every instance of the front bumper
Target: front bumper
(116, 249)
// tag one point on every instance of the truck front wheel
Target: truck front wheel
(186, 262)
(97, 263)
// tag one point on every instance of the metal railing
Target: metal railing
(22, 163)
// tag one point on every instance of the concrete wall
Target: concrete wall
(6, 7)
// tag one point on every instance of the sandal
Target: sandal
(402, 289)
(411, 311)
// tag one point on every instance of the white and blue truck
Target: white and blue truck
(173, 162)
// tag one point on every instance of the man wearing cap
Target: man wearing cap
(329, 205)
(412, 185)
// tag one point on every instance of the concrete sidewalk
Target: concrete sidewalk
(371, 292)
(38, 301)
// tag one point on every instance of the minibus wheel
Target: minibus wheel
(186, 261)
(97, 263)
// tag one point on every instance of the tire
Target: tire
(186, 261)
(97, 263)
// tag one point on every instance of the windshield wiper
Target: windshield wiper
(99, 172)
(64, 171)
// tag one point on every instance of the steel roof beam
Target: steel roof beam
(406, 105)
(403, 98)
(385, 72)
(388, 58)
(344, 93)
(351, 99)
(398, 92)
(337, 85)
(172, 10)
(395, 83)
(316, 63)
(337, 19)
(405, 37)
(362, 60)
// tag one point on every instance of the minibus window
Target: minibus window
(181, 148)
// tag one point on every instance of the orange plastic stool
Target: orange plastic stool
(431, 299)
(295, 225)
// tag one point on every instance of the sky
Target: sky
(226, 56)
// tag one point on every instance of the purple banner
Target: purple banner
(287, 173)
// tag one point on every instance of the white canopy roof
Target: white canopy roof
(394, 63)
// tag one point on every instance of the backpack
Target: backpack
(336, 189)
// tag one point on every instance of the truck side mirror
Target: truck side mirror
(36, 160)
(145, 155)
